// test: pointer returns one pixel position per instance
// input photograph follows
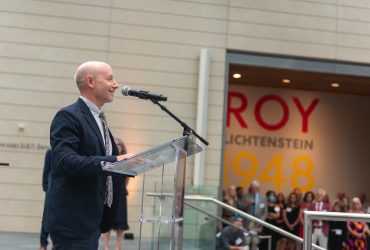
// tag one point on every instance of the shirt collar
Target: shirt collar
(95, 109)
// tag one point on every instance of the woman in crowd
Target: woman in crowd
(273, 214)
(291, 218)
(343, 201)
(239, 193)
(356, 230)
(338, 229)
(308, 198)
(280, 222)
(281, 200)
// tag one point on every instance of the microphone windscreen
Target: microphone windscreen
(125, 90)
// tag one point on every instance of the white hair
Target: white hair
(321, 191)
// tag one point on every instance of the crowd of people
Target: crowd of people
(286, 212)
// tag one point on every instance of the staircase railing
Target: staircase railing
(241, 213)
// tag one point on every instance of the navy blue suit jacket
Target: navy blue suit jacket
(77, 193)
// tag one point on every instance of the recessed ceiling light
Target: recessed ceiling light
(285, 80)
(335, 85)
(237, 75)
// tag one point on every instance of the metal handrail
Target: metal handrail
(268, 237)
(243, 214)
(331, 216)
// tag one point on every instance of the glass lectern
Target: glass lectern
(175, 151)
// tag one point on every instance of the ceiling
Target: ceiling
(299, 79)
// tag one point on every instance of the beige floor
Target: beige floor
(23, 241)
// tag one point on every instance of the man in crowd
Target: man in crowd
(254, 204)
(321, 229)
(232, 237)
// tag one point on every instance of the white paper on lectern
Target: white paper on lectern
(154, 157)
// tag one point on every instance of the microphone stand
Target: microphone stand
(187, 130)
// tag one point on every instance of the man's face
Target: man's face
(320, 196)
(238, 223)
(105, 85)
(255, 188)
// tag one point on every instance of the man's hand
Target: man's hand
(137, 160)
(124, 157)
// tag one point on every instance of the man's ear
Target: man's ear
(90, 81)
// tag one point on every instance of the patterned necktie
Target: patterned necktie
(108, 150)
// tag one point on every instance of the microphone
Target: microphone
(142, 94)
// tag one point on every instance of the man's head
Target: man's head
(95, 81)
(254, 187)
(320, 195)
(238, 220)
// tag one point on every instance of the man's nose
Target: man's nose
(115, 84)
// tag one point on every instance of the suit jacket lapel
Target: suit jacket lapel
(91, 121)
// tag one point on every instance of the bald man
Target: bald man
(81, 203)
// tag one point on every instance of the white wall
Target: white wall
(151, 44)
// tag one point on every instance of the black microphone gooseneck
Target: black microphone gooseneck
(143, 94)
(187, 130)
